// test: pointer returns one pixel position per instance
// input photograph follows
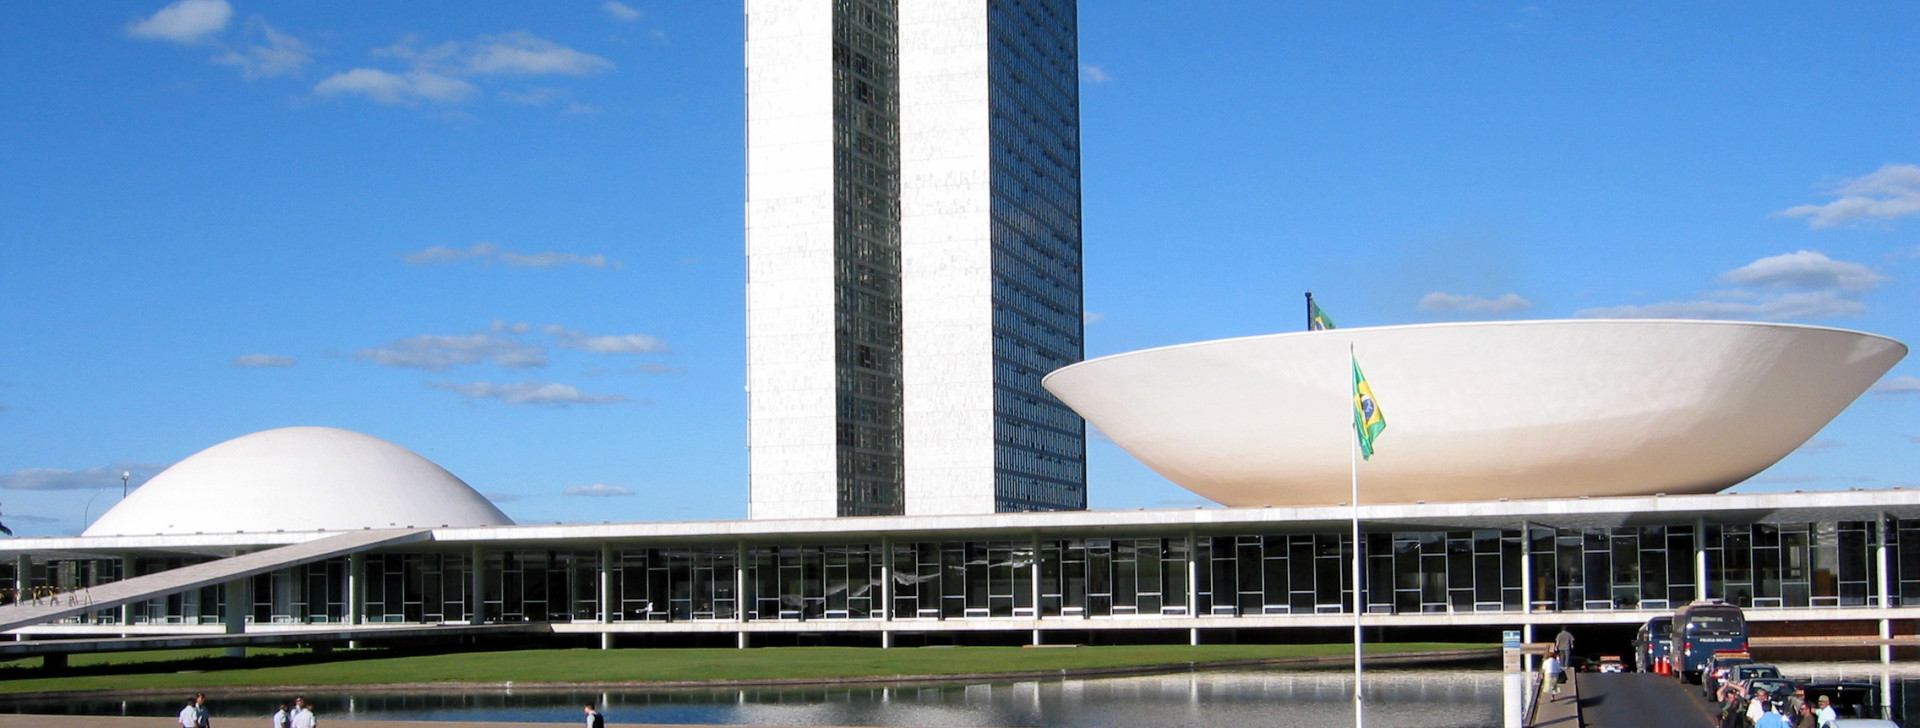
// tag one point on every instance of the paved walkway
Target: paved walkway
(87, 721)
(220, 571)
(1561, 711)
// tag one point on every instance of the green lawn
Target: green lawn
(204, 669)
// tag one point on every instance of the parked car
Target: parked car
(1858, 704)
(1610, 663)
(1716, 668)
(1738, 676)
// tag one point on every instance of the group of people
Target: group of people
(299, 716)
(1555, 665)
(1764, 710)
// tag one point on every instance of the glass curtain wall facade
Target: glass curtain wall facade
(1757, 566)
(866, 252)
(1034, 130)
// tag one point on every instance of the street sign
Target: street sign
(1510, 639)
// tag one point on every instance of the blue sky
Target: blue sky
(508, 236)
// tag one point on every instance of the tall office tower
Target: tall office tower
(913, 243)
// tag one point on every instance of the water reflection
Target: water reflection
(1280, 699)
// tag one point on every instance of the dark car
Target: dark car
(1716, 670)
(1850, 700)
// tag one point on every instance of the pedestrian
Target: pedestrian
(594, 719)
(1563, 644)
(1761, 703)
(195, 714)
(1769, 718)
(1806, 717)
(302, 715)
(281, 718)
(1825, 715)
(1556, 672)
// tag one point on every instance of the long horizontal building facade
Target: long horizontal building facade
(1851, 555)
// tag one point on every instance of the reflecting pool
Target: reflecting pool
(1466, 698)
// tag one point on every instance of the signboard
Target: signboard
(1510, 639)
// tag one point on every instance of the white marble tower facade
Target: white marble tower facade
(913, 241)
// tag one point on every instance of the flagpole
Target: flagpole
(1309, 310)
(1353, 458)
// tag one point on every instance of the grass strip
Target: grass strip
(175, 670)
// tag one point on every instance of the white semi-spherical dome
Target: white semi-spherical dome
(1478, 411)
(298, 479)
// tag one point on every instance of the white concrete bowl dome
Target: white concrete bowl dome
(1478, 411)
(298, 479)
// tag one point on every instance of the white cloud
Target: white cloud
(501, 327)
(1438, 301)
(520, 53)
(254, 361)
(1817, 446)
(503, 497)
(619, 11)
(597, 489)
(1804, 305)
(1094, 73)
(1898, 387)
(550, 259)
(578, 108)
(1915, 439)
(536, 96)
(84, 479)
(1889, 193)
(393, 88)
(268, 52)
(609, 344)
(444, 254)
(1805, 270)
(438, 353)
(187, 21)
(1089, 318)
(1795, 286)
(536, 393)
(657, 368)
(490, 252)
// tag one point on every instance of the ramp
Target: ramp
(171, 581)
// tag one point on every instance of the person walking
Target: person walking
(281, 718)
(594, 719)
(1563, 644)
(302, 715)
(1555, 672)
(195, 714)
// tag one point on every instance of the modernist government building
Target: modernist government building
(918, 470)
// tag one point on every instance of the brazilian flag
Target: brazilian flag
(1368, 421)
(1317, 319)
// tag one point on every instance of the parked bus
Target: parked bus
(1652, 643)
(1701, 629)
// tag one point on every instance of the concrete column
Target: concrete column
(1526, 568)
(356, 588)
(886, 589)
(606, 595)
(236, 602)
(1883, 572)
(1193, 636)
(22, 582)
(886, 639)
(1033, 585)
(1035, 636)
(477, 587)
(1700, 559)
(740, 605)
(127, 565)
(23, 577)
(741, 639)
(1193, 580)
